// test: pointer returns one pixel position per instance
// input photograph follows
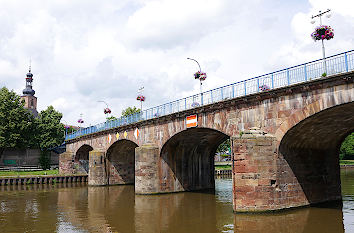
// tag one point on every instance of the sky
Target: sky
(86, 51)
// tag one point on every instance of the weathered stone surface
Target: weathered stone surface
(120, 162)
(97, 172)
(66, 166)
(146, 169)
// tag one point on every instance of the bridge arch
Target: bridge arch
(310, 149)
(120, 166)
(81, 159)
(187, 159)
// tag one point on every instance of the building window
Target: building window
(32, 104)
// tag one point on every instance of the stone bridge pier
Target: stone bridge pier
(285, 147)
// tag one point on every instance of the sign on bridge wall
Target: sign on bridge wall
(191, 121)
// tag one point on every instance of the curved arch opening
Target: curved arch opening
(120, 165)
(81, 160)
(188, 160)
(311, 151)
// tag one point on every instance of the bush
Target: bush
(44, 159)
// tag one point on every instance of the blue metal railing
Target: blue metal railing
(340, 63)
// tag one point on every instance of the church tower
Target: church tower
(28, 94)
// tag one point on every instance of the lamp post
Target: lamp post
(319, 15)
(107, 110)
(80, 121)
(141, 98)
(200, 71)
(65, 127)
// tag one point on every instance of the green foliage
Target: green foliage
(130, 111)
(71, 129)
(19, 129)
(224, 147)
(50, 132)
(44, 159)
(222, 167)
(324, 74)
(16, 122)
(111, 118)
(347, 148)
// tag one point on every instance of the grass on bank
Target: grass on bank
(29, 173)
(222, 167)
(346, 162)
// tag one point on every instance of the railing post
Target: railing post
(288, 76)
(244, 82)
(201, 99)
(233, 91)
(222, 93)
(185, 103)
(211, 96)
(305, 72)
(257, 84)
(346, 61)
(272, 80)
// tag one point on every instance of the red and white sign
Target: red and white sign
(192, 121)
(136, 133)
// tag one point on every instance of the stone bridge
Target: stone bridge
(285, 147)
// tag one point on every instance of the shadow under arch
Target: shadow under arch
(81, 159)
(187, 160)
(311, 150)
(120, 166)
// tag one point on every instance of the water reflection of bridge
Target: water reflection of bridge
(117, 209)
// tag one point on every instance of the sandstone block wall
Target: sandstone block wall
(147, 169)
(97, 173)
(66, 165)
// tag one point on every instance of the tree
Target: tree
(16, 123)
(130, 111)
(111, 118)
(50, 133)
(347, 147)
(224, 147)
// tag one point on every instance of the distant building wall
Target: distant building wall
(24, 157)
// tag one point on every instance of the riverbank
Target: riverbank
(45, 179)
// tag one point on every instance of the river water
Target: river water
(78, 208)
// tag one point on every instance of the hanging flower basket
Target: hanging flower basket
(80, 121)
(200, 75)
(140, 98)
(66, 127)
(264, 88)
(323, 32)
(107, 111)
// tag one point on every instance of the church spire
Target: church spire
(29, 79)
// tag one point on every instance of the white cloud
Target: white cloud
(85, 51)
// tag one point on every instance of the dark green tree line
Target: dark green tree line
(347, 148)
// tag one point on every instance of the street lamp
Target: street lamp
(201, 76)
(66, 126)
(322, 34)
(106, 110)
(141, 98)
(80, 121)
